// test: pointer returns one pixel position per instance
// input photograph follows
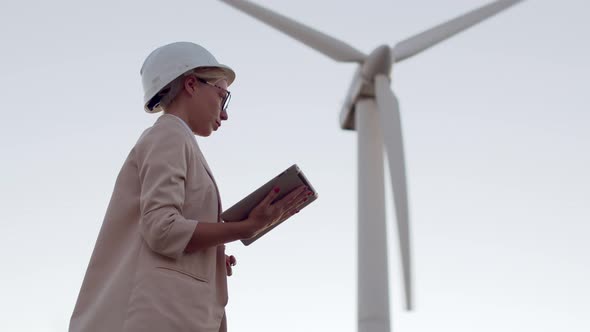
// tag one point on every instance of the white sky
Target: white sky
(496, 132)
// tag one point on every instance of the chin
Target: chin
(205, 133)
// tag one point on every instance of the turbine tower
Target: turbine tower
(372, 109)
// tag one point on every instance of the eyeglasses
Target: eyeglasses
(226, 96)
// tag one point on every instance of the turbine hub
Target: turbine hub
(378, 62)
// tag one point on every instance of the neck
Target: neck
(180, 112)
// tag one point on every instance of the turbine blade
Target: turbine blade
(329, 46)
(439, 33)
(388, 108)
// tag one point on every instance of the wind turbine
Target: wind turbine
(372, 109)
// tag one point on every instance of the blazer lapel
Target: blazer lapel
(204, 162)
(199, 154)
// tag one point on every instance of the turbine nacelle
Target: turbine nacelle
(363, 83)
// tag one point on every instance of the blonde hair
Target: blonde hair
(166, 96)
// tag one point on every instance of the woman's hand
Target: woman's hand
(265, 213)
(229, 262)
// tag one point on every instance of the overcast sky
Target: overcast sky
(495, 123)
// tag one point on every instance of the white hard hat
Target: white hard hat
(168, 62)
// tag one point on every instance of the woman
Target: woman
(159, 262)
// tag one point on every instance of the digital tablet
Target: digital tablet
(288, 180)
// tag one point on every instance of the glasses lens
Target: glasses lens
(226, 100)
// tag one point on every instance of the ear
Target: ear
(190, 85)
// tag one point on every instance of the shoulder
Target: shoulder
(167, 135)
(166, 127)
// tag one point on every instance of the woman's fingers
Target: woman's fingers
(300, 199)
(268, 213)
(270, 196)
(229, 271)
(298, 204)
(229, 262)
(294, 196)
(291, 212)
(228, 268)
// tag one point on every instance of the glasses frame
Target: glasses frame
(226, 98)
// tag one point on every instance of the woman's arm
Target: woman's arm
(213, 234)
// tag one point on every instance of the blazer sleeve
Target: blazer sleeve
(163, 160)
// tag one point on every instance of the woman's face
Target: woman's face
(206, 114)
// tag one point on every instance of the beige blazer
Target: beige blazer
(139, 278)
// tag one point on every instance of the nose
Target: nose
(224, 115)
